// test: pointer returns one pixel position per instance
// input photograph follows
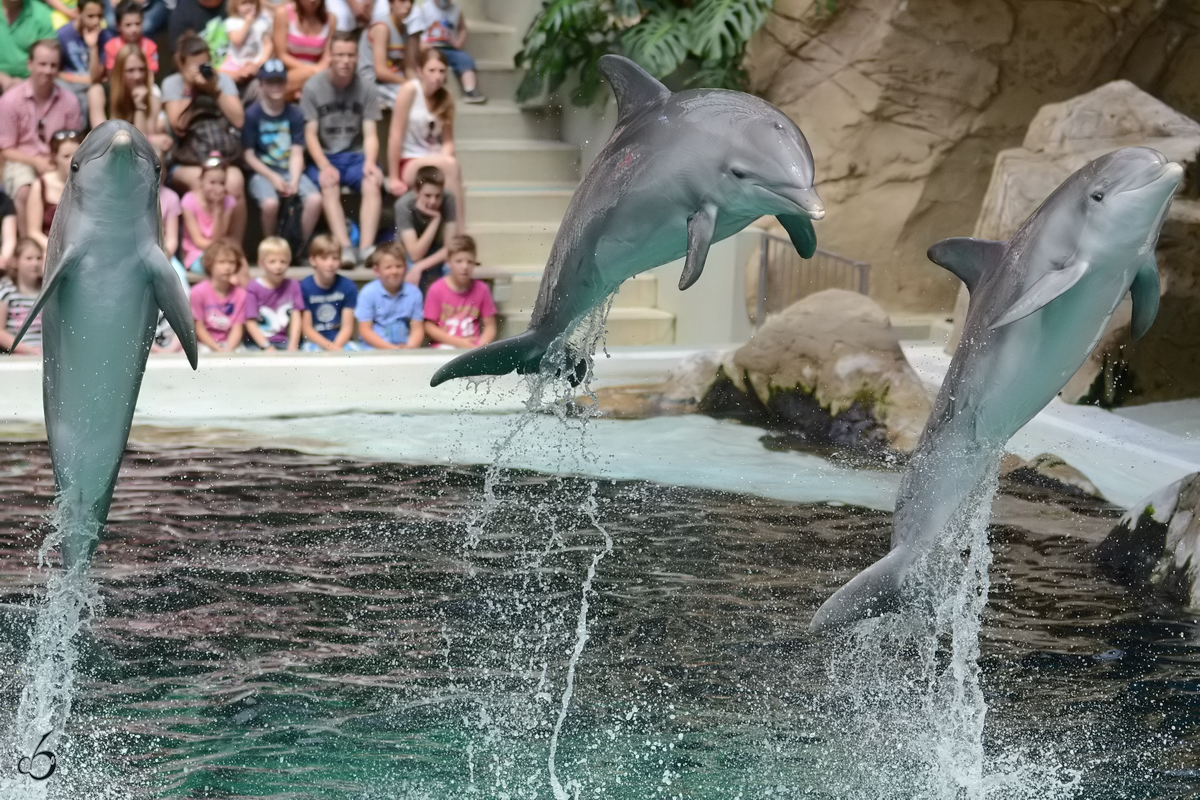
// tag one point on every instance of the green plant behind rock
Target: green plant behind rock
(703, 40)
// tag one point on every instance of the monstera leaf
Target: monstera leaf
(659, 42)
(721, 28)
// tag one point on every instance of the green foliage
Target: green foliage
(702, 39)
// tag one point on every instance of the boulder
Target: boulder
(1156, 546)
(685, 386)
(1049, 472)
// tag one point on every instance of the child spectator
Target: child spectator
(442, 26)
(274, 303)
(218, 305)
(129, 31)
(129, 94)
(248, 28)
(387, 54)
(47, 190)
(424, 222)
(274, 142)
(8, 231)
(302, 34)
(459, 311)
(389, 310)
(205, 215)
(18, 292)
(329, 300)
(80, 42)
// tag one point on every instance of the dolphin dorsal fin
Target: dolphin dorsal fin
(969, 259)
(634, 88)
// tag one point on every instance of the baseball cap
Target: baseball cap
(272, 70)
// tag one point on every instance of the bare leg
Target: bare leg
(270, 216)
(235, 185)
(312, 215)
(368, 214)
(331, 199)
(22, 214)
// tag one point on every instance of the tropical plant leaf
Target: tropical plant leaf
(659, 42)
(721, 28)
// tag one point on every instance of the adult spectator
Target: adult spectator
(302, 41)
(422, 131)
(128, 94)
(30, 112)
(203, 109)
(80, 42)
(23, 24)
(46, 192)
(340, 116)
(387, 54)
(190, 15)
(443, 26)
(424, 224)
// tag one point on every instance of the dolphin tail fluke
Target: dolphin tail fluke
(521, 353)
(874, 591)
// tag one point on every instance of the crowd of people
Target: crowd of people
(272, 108)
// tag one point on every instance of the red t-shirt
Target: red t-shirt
(459, 313)
(149, 50)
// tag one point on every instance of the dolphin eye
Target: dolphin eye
(74, 166)
(737, 173)
(1097, 196)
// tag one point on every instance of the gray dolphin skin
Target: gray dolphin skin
(1039, 304)
(679, 172)
(106, 279)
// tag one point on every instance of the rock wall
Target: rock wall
(907, 103)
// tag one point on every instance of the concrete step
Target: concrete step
(640, 291)
(519, 161)
(626, 327)
(503, 119)
(505, 202)
(473, 10)
(512, 242)
(497, 79)
(491, 41)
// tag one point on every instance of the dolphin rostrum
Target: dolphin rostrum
(679, 172)
(106, 279)
(1039, 305)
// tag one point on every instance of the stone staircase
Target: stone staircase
(520, 176)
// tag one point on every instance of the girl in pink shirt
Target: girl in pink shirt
(206, 215)
(218, 305)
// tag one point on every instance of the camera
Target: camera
(207, 71)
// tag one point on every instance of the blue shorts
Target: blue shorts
(349, 166)
(460, 60)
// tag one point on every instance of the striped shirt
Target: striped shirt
(18, 309)
(27, 125)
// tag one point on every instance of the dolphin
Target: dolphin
(1039, 304)
(106, 279)
(679, 172)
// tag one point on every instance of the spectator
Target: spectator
(80, 42)
(8, 231)
(172, 210)
(301, 35)
(46, 191)
(203, 109)
(30, 112)
(442, 26)
(62, 12)
(329, 300)
(129, 94)
(422, 132)
(340, 116)
(218, 304)
(23, 24)
(18, 292)
(190, 16)
(129, 31)
(355, 15)
(248, 28)
(205, 214)
(389, 310)
(424, 222)
(387, 53)
(274, 302)
(459, 311)
(274, 143)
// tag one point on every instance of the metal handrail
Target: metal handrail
(826, 270)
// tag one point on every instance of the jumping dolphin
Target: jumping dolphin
(680, 172)
(1039, 304)
(106, 279)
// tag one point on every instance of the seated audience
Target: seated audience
(8, 231)
(23, 24)
(128, 31)
(190, 16)
(204, 109)
(422, 131)
(62, 12)
(218, 304)
(387, 52)
(329, 300)
(459, 311)
(274, 143)
(46, 191)
(248, 28)
(30, 112)
(129, 94)
(442, 26)
(424, 223)
(274, 302)
(389, 310)
(80, 42)
(18, 292)
(205, 214)
(340, 116)
(302, 35)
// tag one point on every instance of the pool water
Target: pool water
(277, 625)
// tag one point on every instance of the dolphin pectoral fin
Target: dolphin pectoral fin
(969, 259)
(700, 232)
(170, 297)
(800, 231)
(521, 353)
(874, 591)
(1145, 291)
(53, 279)
(1047, 288)
(634, 88)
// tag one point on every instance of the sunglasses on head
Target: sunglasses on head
(65, 134)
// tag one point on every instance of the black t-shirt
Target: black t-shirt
(189, 15)
(7, 207)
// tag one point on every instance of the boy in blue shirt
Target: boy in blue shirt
(389, 310)
(329, 300)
